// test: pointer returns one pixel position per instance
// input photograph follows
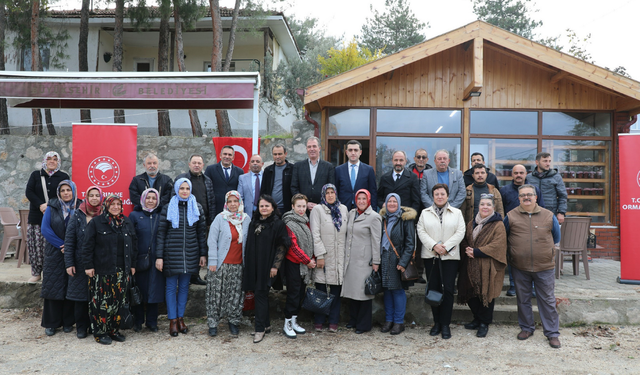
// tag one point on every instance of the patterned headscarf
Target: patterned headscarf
(87, 208)
(68, 208)
(50, 154)
(365, 192)
(235, 218)
(390, 218)
(114, 220)
(336, 215)
(173, 214)
(143, 198)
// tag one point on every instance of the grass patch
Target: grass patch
(278, 136)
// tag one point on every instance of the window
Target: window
(419, 121)
(501, 155)
(349, 122)
(143, 64)
(386, 146)
(577, 124)
(504, 122)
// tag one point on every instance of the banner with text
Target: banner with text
(104, 155)
(242, 146)
(629, 144)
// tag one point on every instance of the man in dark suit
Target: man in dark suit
(310, 175)
(152, 178)
(400, 181)
(355, 175)
(224, 176)
(276, 179)
(248, 182)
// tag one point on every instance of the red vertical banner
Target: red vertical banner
(242, 146)
(105, 155)
(629, 144)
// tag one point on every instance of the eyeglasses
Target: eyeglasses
(528, 195)
(422, 157)
(485, 195)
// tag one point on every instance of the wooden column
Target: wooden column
(476, 69)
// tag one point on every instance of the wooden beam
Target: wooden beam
(558, 76)
(624, 104)
(477, 69)
(634, 111)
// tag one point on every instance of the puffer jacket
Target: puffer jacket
(77, 287)
(403, 237)
(328, 244)
(181, 248)
(54, 272)
(553, 190)
(211, 198)
(100, 247)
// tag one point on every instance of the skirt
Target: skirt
(224, 294)
(108, 294)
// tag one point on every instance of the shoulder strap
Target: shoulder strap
(44, 189)
(394, 248)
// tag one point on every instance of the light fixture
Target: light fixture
(107, 57)
(475, 93)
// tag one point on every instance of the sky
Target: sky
(611, 23)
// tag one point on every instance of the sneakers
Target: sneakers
(288, 329)
(333, 328)
(294, 324)
(317, 327)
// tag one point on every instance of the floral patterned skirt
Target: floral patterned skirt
(224, 294)
(35, 248)
(108, 293)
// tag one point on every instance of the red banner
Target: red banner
(105, 155)
(242, 146)
(629, 144)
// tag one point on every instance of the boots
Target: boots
(181, 326)
(173, 327)
(294, 324)
(288, 329)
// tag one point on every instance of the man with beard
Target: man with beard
(152, 178)
(550, 184)
(276, 179)
(401, 182)
(442, 174)
(479, 187)
(478, 158)
(249, 185)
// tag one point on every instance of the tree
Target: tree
(36, 115)
(4, 114)
(349, 57)
(222, 117)
(164, 39)
(511, 15)
(83, 60)
(118, 31)
(394, 30)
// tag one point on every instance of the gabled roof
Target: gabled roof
(479, 32)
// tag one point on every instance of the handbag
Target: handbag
(126, 317)
(373, 284)
(317, 301)
(135, 296)
(411, 271)
(432, 296)
(143, 263)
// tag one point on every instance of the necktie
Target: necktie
(353, 177)
(256, 193)
(226, 174)
(397, 176)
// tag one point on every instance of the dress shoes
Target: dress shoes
(137, 327)
(475, 324)
(554, 342)
(34, 279)
(50, 331)
(511, 292)
(153, 328)
(446, 332)
(397, 329)
(421, 280)
(82, 334)
(258, 337)
(523, 335)
(213, 332)
(483, 329)
(234, 329)
(350, 326)
(197, 280)
(117, 336)
(182, 328)
(386, 327)
(67, 329)
(359, 332)
(435, 330)
(103, 340)
(173, 327)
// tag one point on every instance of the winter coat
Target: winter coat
(491, 178)
(268, 182)
(219, 240)
(362, 250)
(100, 247)
(328, 244)
(151, 282)
(163, 184)
(403, 237)
(450, 232)
(264, 250)
(510, 198)
(211, 198)
(468, 206)
(181, 248)
(553, 190)
(35, 194)
(77, 287)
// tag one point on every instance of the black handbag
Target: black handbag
(373, 284)
(432, 296)
(126, 317)
(143, 263)
(317, 301)
(135, 296)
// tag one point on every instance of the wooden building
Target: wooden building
(481, 88)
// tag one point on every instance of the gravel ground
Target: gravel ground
(25, 349)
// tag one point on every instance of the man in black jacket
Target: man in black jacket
(276, 178)
(310, 175)
(152, 178)
(224, 176)
(478, 158)
(400, 181)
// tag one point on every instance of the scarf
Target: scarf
(114, 220)
(299, 226)
(87, 208)
(440, 211)
(68, 208)
(480, 222)
(336, 215)
(143, 198)
(390, 218)
(235, 218)
(365, 192)
(261, 224)
(173, 214)
(50, 154)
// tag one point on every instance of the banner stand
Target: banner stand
(628, 146)
(632, 282)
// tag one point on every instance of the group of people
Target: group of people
(298, 224)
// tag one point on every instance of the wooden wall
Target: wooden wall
(511, 81)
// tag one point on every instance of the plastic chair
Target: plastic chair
(575, 232)
(23, 255)
(10, 223)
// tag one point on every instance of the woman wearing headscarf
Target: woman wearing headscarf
(483, 265)
(298, 262)
(227, 240)
(78, 283)
(362, 255)
(398, 246)
(328, 226)
(146, 219)
(109, 256)
(181, 249)
(41, 187)
(441, 229)
(267, 243)
(57, 310)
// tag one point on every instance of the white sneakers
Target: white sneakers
(288, 329)
(294, 324)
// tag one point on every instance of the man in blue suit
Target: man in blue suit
(249, 185)
(355, 175)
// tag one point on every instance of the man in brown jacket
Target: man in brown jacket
(479, 186)
(532, 232)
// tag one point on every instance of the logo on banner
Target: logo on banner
(638, 178)
(103, 171)
(241, 150)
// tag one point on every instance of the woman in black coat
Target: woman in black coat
(38, 196)
(109, 254)
(78, 284)
(267, 244)
(181, 249)
(398, 246)
(145, 219)
(57, 310)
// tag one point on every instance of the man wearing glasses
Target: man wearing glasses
(479, 187)
(532, 232)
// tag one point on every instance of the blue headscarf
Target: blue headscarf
(173, 214)
(391, 218)
(68, 208)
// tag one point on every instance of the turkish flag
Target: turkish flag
(242, 146)
(104, 155)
